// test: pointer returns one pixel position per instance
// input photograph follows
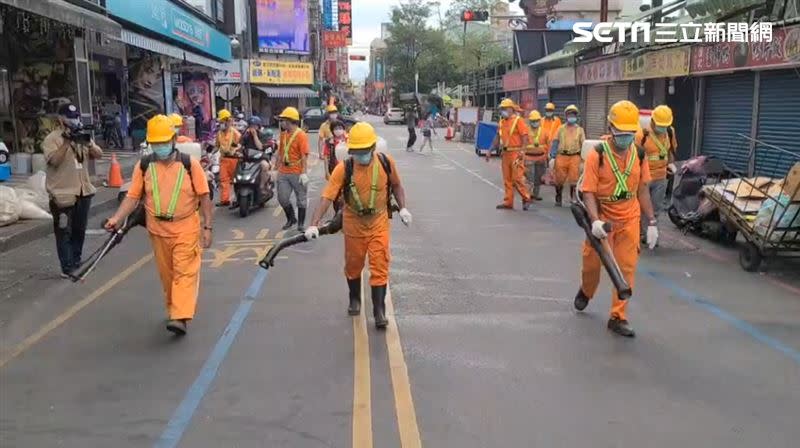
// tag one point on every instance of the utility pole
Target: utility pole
(246, 93)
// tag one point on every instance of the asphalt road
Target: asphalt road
(483, 348)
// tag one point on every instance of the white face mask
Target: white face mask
(333, 117)
(338, 132)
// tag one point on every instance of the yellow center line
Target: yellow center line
(262, 235)
(31, 340)
(401, 385)
(277, 212)
(237, 234)
(362, 383)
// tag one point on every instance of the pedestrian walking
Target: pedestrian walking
(659, 143)
(292, 158)
(367, 181)
(615, 191)
(550, 123)
(566, 149)
(511, 139)
(325, 131)
(411, 123)
(428, 130)
(536, 155)
(67, 150)
(228, 139)
(170, 179)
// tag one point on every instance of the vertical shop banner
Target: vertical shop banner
(784, 50)
(283, 26)
(332, 73)
(346, 19)
(667, 63)
(146, 91)
(193, 99)
(327, 15)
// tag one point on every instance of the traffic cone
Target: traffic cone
(449, 135)
(114, 173)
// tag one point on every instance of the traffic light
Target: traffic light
(470, 15)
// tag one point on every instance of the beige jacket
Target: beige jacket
(67, 168)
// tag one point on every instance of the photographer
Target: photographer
(68, 149)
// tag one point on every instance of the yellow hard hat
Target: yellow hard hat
(624, 115)
(160, 129)
(534, 115)
(290, 113)
(550, 106)
(331, 108)
(507, 103)
(224, 114)
(177, 120)
(571, 108)
(362, 136)
(662, 116)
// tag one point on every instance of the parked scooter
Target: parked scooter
(210, 164)
(690, 210)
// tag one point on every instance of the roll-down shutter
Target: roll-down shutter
(727, 113)
(778, 125)
(563, 98)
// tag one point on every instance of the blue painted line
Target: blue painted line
(191, 401)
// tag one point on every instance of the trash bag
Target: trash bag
(37, 184)
(29, 210)
(9, 206)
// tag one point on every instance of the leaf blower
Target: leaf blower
(603, 250)
(136, 218)
(329, 228)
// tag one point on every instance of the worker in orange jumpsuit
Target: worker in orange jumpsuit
(366, 215)
(550, 122)
(615, 191)
(512, 139)
(292, 158)
(228, 139)
(659, 143)
(536, 154)
(566, 147)
(174, 200)
(177, 123)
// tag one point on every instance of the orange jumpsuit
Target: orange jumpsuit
(510, 133)
(365, 235)
(550, 126)
(176, 243)
(536, 155)
(227, 140)
(568, 158)
(623, 215)
(658, 149)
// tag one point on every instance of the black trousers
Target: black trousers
(412, 137)
(69, 226)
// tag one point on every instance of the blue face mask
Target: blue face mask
(661, 129)
(534, 124)
(623, 141)
(363, 158)
(548, 114)
(162, 150)
(572, 120)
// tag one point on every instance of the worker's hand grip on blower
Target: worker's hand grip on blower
(329, 228)
(601, 246)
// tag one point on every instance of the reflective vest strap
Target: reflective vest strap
(176, 191)
(622, 177)
(373, 189)
(511, 132)
(288, 145)
(662, 149)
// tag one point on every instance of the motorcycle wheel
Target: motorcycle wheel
(244, 206)
(672, 212)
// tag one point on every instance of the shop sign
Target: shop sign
(231, 73)
(174, 22)
(345, 8)
(599, 72)
(516, 80)
(334, 39)
(667, 63)
(278, 72)
(784, 50)
(561, 77)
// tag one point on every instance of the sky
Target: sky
(367, 18)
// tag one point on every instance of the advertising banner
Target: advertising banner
(174, 22)
(231, 73)
(278, 72)
(327, 15)
(282, 26)
(516, 80)
(599, 72)
(667, 63)
(346, 19)
(193, 98)
(334, 39)
(784, 50)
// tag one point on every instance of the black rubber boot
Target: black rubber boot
(301, 219)
(581, 301)
(621, 327)
(379, 306)
(355, 296)
(290, 219)
(559, 190)
(572, 193)
(177, 327)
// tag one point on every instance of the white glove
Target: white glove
(304, 179)
(598, 231)
(312, 233)
(405, 216)
(652, 237)
(671, 168)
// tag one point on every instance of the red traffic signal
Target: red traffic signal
(469, 15)
(357, 57)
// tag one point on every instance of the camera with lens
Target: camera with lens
(80, 134)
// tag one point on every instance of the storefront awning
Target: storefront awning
(61, 11)
(287, 92)
(156, 46)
